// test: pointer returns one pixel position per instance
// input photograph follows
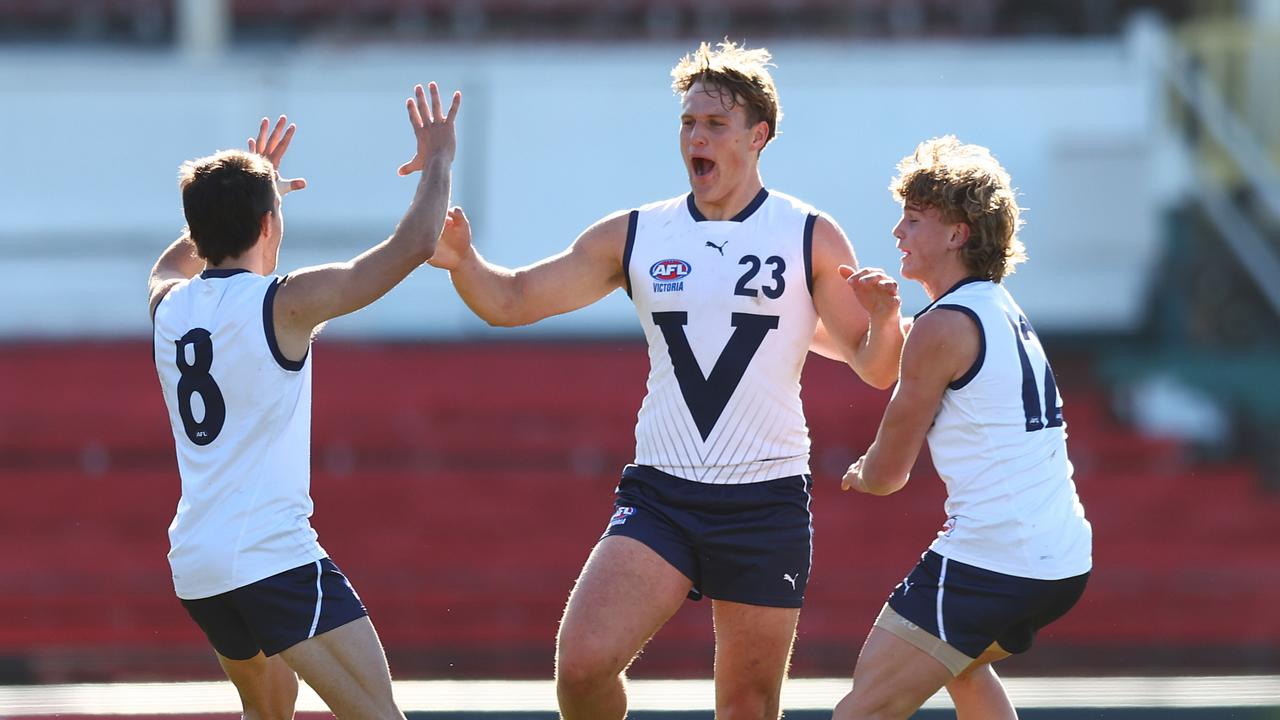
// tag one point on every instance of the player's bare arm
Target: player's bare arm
(178, 262)
(586, 271)
(866, 333)
(313, 295)
(942, 346)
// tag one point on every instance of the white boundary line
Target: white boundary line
(539, 695)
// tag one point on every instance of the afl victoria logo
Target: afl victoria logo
(669, 270)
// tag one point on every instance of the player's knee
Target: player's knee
(273, 705)
(585, 669)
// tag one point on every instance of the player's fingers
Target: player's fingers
(420, 99)
(424, 111)
(280, 148)
(861, 275)
(262, 133)
(437, 110)
(415, 116)
(846, 271)
(253, 145)
(453, 108)
(274, 140)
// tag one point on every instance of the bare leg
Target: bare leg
(268, 687)
(753, 649)
(892, 680)
(978, 693)
(625, 593)
(348, 670)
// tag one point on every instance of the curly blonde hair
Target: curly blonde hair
(737, 75)
(965, 183)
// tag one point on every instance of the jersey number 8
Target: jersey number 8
(196, 379)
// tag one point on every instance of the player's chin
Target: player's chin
(907, 269)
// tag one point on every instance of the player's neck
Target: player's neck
(938, 285)
(733, 202)
(251, 260)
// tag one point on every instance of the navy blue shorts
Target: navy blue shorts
(750, 543)
(969, 608)
(278, 612)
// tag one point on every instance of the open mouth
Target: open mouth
(702, 166)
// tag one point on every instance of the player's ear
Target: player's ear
(759, 135)
(264, 225)
(959, 234)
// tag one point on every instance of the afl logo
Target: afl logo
(669, 270)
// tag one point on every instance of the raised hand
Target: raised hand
(874, 289)
(433, 129)
(272, 147)
(454, 242)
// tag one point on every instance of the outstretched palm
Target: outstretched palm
(433, 129)
(273, 146)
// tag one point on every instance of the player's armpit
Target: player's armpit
(942, 346)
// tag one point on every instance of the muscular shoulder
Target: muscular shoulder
(942, 340)
(831, 246)
(606, 236)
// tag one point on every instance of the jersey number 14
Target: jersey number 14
(1030, 393)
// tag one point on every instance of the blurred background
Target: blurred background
(462, 473)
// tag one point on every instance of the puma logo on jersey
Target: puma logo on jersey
(669, 275)
(719, 248)
(791, 579)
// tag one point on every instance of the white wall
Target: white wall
(551, 139)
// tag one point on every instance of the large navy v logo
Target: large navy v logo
(708, 396)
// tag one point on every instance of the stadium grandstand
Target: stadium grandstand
(462, 472)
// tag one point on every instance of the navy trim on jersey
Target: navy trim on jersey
(633, 220)
(269, 328)
(221, 273)
(746, 212)
(972, 372)
(809, 223)
(967, 281)
(752, 206)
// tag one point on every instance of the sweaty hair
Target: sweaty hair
(966, 184)
(224, 197)
(737, 75)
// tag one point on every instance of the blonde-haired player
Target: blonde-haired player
(729, 281)
(1016, 550)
